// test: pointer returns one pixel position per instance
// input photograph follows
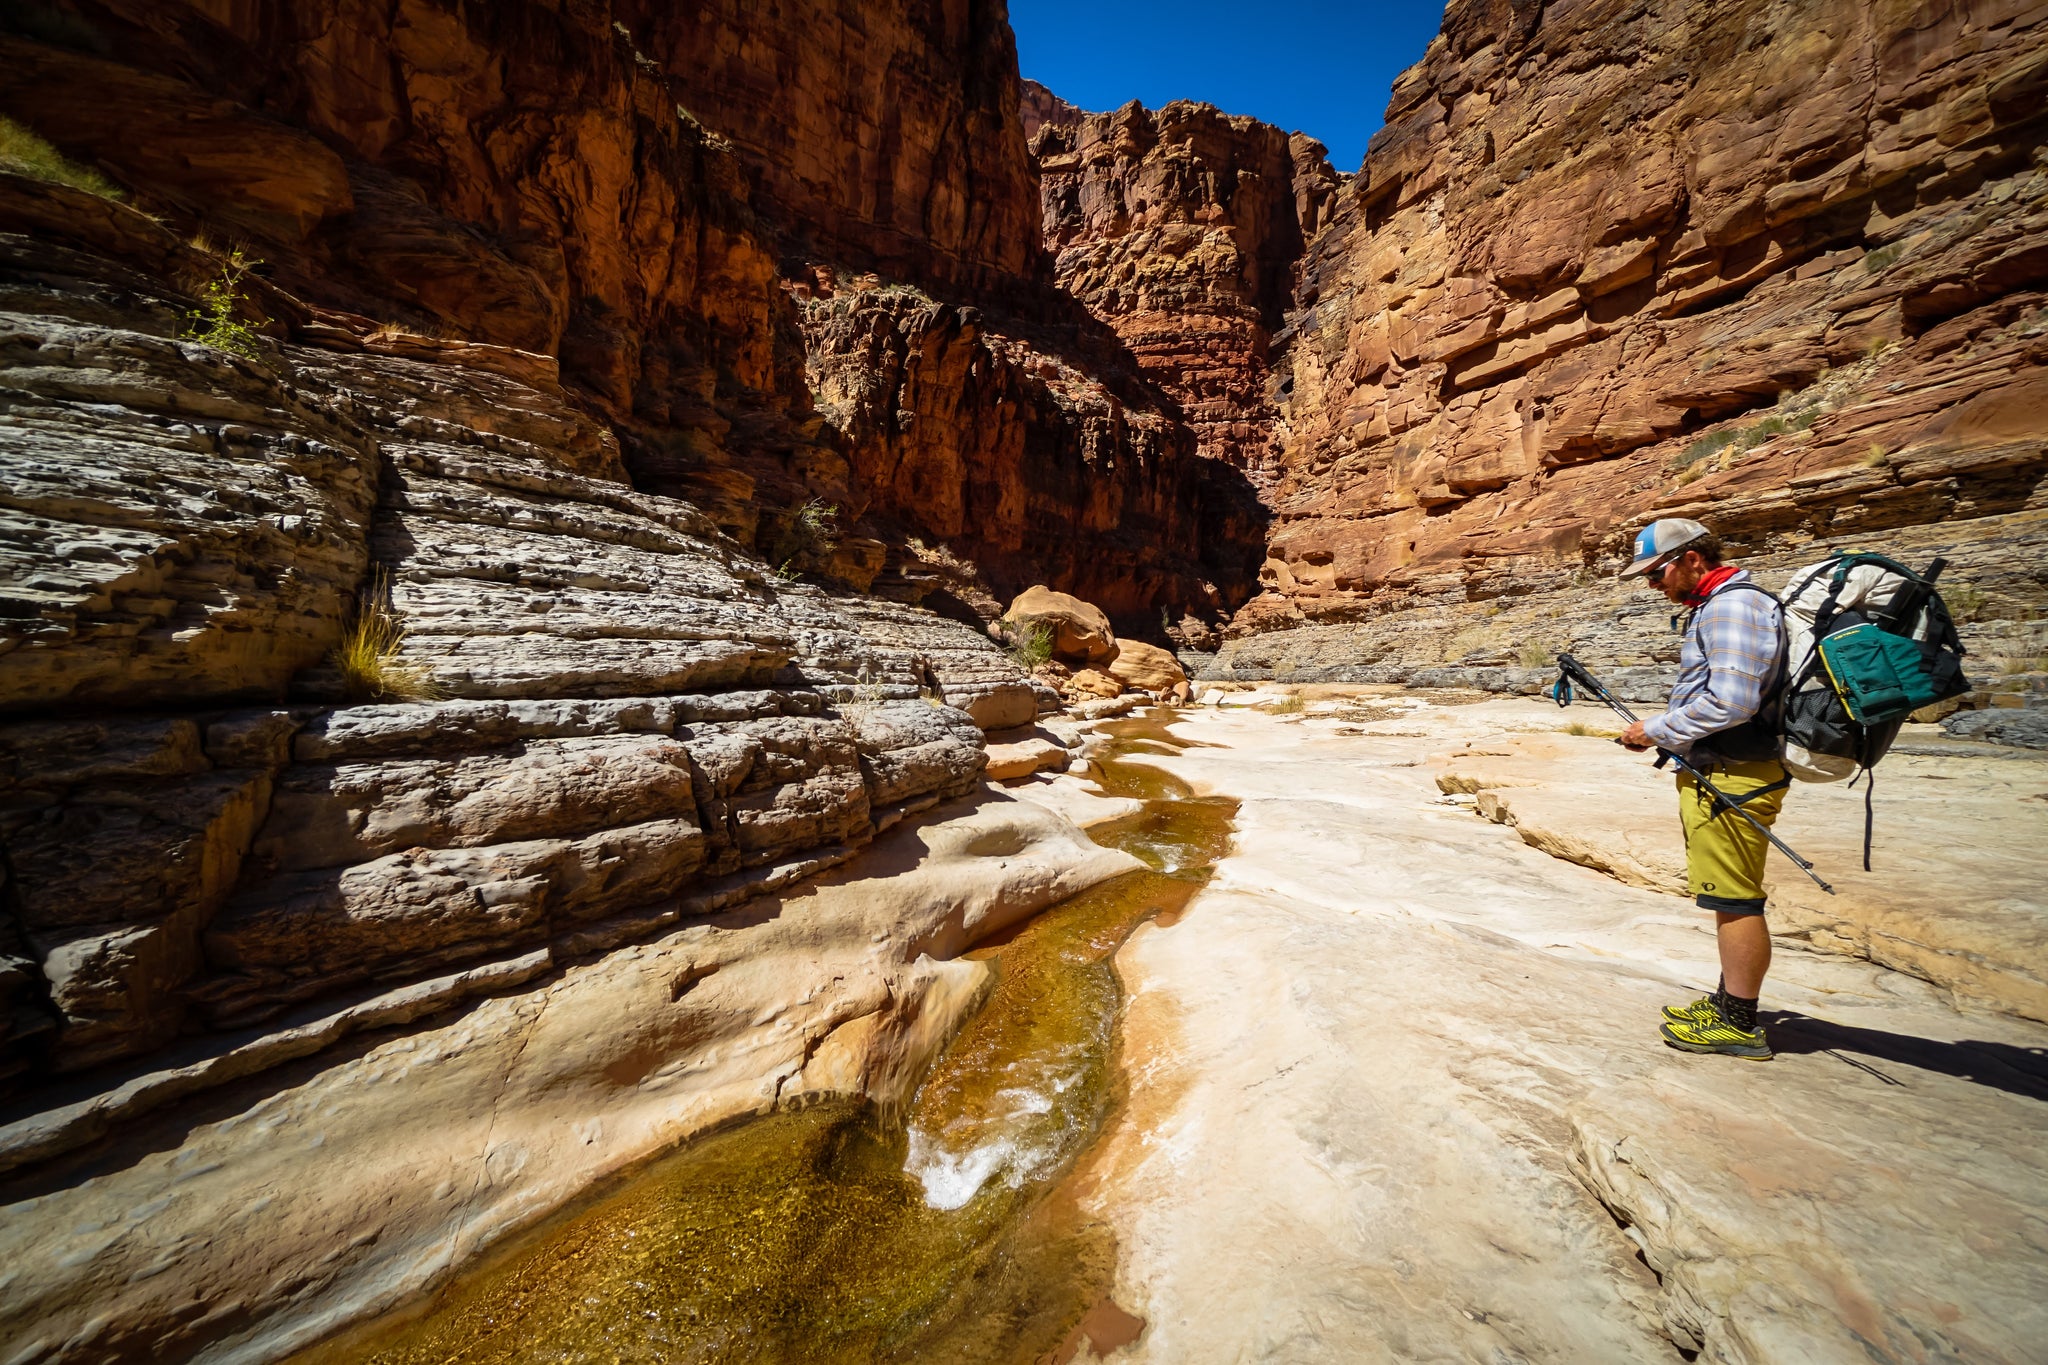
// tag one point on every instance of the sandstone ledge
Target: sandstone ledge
(387, 1170)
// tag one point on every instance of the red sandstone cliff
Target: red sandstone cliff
(879, 136)
(636, 192)
(1776, 266)
(1182, 230)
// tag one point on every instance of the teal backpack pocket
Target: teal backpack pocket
(1878, 675)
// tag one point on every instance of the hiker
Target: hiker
(1723, 718)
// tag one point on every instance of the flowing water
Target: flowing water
(828, 1233)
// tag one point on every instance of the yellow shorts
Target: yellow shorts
(1724, 854)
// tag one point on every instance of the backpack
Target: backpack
(1868, 642)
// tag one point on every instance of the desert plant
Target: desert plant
(1875, 458)
(23, 153)
(1877, 260)
(1534, 655)
(1029, 643)
(1713, 443)
(1877, 347)
(809, 533)
(368, 655)
(1286, 706)
(1964, 599)
(214, 322)
(864, 695)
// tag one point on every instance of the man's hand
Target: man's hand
(1635, 738)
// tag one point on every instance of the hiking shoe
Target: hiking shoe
(1716, 1034)
(1700, 1011)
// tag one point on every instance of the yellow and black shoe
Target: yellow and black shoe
(1700, 1011)
(1716, 1034)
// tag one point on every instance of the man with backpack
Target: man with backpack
(1724, 717)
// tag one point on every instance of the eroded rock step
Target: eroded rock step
(839, 1231)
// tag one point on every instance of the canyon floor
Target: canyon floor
(1396, 1092)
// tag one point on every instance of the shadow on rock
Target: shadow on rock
(2017, 1070)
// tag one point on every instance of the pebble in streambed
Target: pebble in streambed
(826, 1234)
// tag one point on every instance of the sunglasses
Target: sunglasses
(1655, 573)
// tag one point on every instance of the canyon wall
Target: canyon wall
(1778, 267)
(651, 199)
(1182, 230)
(882, 137)
(619, 718)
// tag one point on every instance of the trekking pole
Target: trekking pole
(1571, 673)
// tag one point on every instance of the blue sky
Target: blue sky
(1322, 67)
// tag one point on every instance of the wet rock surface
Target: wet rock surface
(1405, 1067)
(298, 1202)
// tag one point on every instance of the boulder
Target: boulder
(1093, 682)
(1138, 664)
(1080, 632)
(1035, 754)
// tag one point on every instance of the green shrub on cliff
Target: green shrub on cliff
(1030, 644)
(23, 153)
(808, 535)
(214, 322)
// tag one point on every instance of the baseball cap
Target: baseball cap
(1661, 540)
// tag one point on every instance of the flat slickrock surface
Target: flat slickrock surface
(1396, 1093)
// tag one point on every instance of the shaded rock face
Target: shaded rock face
(646, 198)
(509, 175)
(1181, 229)
(632, 721)
(878, 136)
(1595, 244)
(1043, 458)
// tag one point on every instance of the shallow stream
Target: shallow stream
(830, 1233)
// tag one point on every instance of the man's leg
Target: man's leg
(1745, 953)
(1724, 868)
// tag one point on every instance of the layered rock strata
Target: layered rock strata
(883, 137)
(623, 718)
(1035, 451)
(1181, 229)
(295, 1203)
(540, 180)
(1779, 268)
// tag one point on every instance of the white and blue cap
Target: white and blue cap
(1661, 542)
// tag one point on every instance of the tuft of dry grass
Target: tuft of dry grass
(1286, 706)
(1875, 458)
(808, 537)
(23, 153)
(368, 657)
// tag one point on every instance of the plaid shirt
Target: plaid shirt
(1730, 657)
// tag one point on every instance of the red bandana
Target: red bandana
(1710, 580)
